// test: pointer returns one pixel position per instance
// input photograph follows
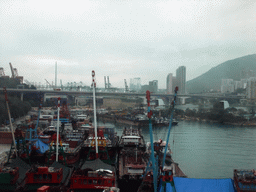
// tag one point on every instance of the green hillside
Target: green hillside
(236, 69)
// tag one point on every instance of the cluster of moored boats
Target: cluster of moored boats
(35, 165)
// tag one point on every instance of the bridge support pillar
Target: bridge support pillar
(182, 100)
(21, 97)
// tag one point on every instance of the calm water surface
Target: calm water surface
(208, 150)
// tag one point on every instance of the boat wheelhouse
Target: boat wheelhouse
(131, 137)
(56, 175)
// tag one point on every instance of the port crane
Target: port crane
(2, 72)
(15, 75)
(49, 83)
(125, 85)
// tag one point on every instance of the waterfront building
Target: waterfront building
(251, 88)
(238, 85)
(135, 84)
(181, 79)
(227, 86)
(169, 81)
(144, 88)
(244, 83)
(153, 86)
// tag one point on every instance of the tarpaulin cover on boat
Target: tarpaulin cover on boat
(201, 185)
(97, 164)
(42, 147)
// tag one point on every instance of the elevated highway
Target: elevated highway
(100, 93)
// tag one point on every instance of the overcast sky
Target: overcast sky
(122, 39)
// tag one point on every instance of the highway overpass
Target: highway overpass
(119, 94)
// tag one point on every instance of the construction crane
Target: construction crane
(125, 85)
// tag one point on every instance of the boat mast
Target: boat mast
(94, 109)
(10, 120)
(58, 124)
(170, 125)
(152, 143)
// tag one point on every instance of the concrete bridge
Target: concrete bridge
(100, 93)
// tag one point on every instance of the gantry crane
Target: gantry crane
(15, 74)
(126, 86)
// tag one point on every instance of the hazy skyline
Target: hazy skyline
(122, 39)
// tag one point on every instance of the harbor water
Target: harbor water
(205, 150)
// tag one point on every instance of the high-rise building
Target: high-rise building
(227, 86)
(251, 88)
(135, 84)
(181, 79)
(153, 86)
(169, 84)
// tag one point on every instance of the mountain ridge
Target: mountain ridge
(236, 69)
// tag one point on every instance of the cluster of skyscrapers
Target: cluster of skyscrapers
(179, 80)
(171, 82)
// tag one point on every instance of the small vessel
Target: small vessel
(132, 159)
(66, 154)
(95, 175)
(132, 137)
(107, 141)
(8, 178)
(245, 180)
(5, 135)
(64, 116)
(55, 175)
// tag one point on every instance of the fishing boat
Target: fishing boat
(160, 166)
(132, 159)
(8, 178)
(5, 135)
(67, 155)
(64, 114)
(37, 176)
(106, 142)
(132, 137)
(93, 175)
(245, 180)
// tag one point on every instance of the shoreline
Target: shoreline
(245, 124)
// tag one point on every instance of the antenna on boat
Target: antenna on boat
(152, 142)
(10, 119)
(58, 124)
(170, 123)
(94, 109)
